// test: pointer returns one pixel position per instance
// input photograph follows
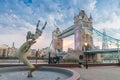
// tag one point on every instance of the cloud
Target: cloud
(13, 29)
(17, 19)
(10, 38)
(41, 42)
(92, 5)
(111, 24)
(106, 16)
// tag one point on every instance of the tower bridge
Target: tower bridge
(83, 37)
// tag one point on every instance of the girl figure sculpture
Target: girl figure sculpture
(30, 40)
(37, 33)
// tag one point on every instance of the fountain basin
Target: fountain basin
(43, 73)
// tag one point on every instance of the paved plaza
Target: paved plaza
(99, 73)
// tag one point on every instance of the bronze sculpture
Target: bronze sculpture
(30, 40)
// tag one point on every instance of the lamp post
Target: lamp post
(49, 58)
(36, 55)
(118, 52)
(85, 48)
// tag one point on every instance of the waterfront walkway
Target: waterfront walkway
(92, 73)
(99, 73)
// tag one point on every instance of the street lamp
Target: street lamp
(36, 55)
(85, 48)
(118, 52)
(85, 44)
(49, 58)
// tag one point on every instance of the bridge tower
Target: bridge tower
(82, 36)
(57, 43)
(104, 40)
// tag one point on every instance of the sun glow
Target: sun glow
(68, 43)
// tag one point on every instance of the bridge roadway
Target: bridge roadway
(101, 51)
(67, 32)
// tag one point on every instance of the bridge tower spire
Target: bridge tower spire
(104, 40)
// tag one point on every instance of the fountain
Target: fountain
(42, 73)
(35, 73)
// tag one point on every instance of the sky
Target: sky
(17, 17)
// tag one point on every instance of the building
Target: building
(6, 51)
(3, 50)
(11, 51)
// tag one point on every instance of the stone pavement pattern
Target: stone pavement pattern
(99, 73)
